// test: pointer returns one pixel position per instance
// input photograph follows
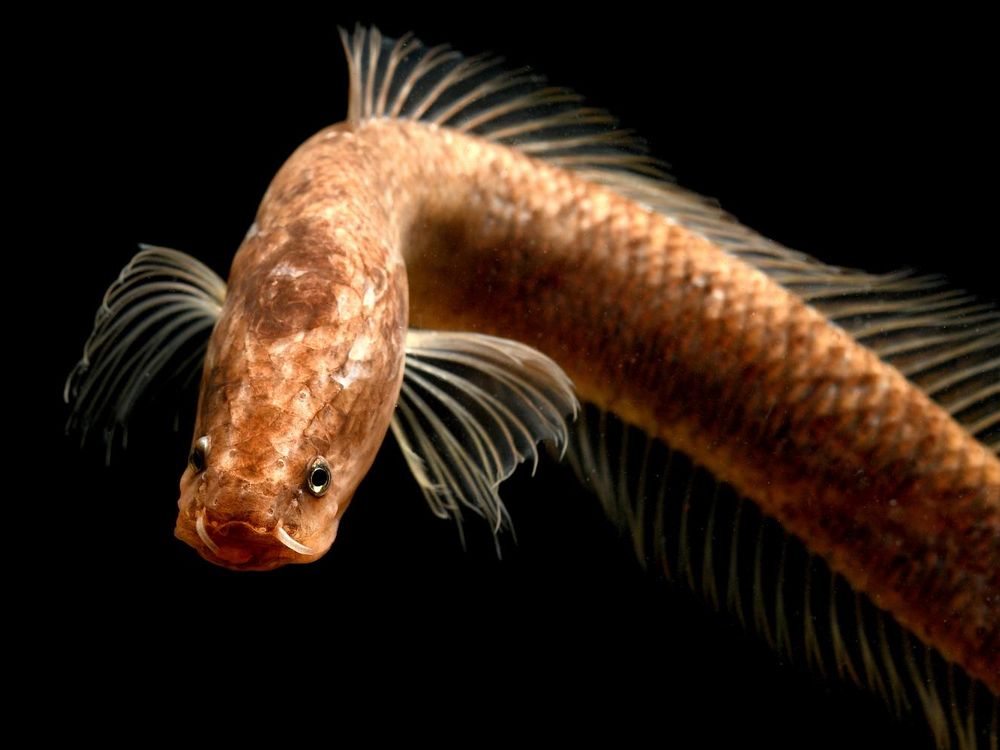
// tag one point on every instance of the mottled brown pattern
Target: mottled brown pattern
(295, 290)
(651, 321)
(305, 362)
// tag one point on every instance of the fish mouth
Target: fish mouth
(239, 545)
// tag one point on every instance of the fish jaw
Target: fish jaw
(238, 545)
(240, 526)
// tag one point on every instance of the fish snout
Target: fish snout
(241, 526)
(239, 544)
(228, 498)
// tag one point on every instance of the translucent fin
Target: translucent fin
(472, 407)
(943, 340)
(705, 538)
(478, 95)
(154, 323)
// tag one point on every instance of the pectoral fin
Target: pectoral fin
(472, 407)
(153, 324)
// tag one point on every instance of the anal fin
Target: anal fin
(701, 535)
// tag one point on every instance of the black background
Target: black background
(859, 140)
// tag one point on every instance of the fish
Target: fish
(300, 537)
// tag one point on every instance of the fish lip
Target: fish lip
(236, 544)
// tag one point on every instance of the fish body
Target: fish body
(661, 310)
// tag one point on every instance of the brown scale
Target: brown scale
(694, 346)
(283, 382)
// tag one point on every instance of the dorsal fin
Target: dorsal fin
(944, 341)
(480, 96)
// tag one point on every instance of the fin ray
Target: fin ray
(160, 310)
(472, 407)
(895, 314)
(824, 622)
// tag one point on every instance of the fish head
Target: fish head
(301, 378)
(260, 509)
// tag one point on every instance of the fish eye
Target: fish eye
(197, 457)
(318, 476)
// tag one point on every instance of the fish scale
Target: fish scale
(514, 219)
(825, 464)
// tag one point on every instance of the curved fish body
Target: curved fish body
(857, 411)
